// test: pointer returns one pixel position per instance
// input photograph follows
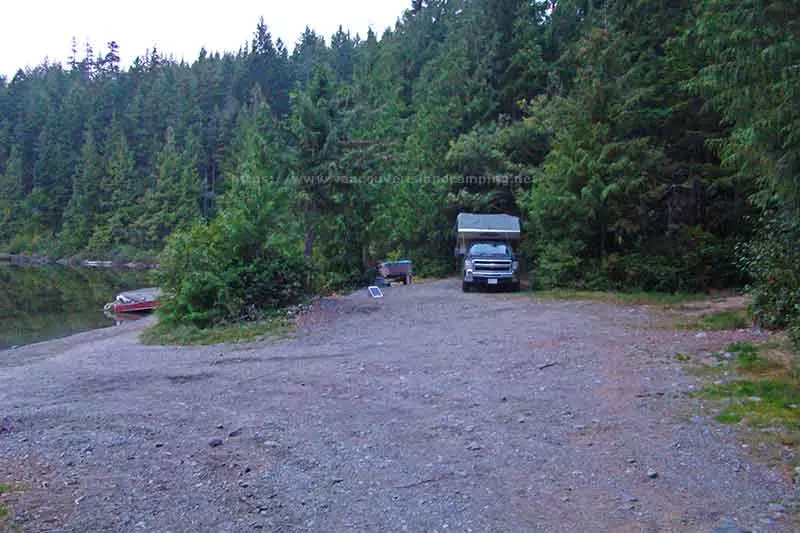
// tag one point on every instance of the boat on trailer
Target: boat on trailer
(135, 301)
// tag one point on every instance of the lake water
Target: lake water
(46, 302)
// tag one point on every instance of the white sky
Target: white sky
(31, 30)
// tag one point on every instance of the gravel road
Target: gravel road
(429, 410)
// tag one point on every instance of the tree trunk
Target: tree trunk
(311, 227)
(310, 236)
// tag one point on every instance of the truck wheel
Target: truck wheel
(515, 287)
(407, 280)
(465, 286)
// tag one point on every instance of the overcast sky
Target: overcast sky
(31, 30)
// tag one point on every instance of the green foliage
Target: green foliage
(721, 320)
(623, 298)
(245, 261)
(646, 140)
(748, 358)
(771, 260)
(622, 199)
(173, 201)
(165, 333)
(752, 79)
(762, 403)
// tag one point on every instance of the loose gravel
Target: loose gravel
(428, 410)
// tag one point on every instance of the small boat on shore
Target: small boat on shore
(135, 301)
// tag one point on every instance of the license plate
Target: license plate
(492, 282)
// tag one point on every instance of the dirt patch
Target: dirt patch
(718, 303)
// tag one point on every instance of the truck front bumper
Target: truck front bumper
(490, 278)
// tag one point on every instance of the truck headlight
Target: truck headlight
(467, 265)
(515, 266)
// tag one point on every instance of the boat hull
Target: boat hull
(138, 307)
(135, 301)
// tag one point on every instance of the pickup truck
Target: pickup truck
(487, 244)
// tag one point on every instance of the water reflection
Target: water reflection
(44, 302)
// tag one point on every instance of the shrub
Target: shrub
(771, 260)
(246, 261)
(559, 265)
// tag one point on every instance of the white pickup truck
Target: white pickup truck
(487, 243)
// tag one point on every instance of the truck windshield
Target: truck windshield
(490, 248)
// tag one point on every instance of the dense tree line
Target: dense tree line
(650, 144)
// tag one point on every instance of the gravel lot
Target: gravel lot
(429, 410)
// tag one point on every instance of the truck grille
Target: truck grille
(493, 265)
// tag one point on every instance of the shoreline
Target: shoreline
(26, 260)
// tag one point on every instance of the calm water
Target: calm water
(46, 302)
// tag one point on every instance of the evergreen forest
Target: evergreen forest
(646, 144)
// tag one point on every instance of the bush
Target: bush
(794, 332)
(246, 261)
(435, 267)
(274, 280)
(771, 260)
(559, 265)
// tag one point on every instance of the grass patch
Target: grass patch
(724, 320)
(705, 371)
(4, 511)
(764, 396)
(764, 403)
(630, 298)
(189, 335)
(728, 418)
(748, 358)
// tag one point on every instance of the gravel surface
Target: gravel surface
(429, 410)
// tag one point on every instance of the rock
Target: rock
(271, 444)
(776, 508)
(214, 443)
(652, 474)
(701, 335)
(474, 446)
(220, 426)
(6, 425)
(728, 355)
(755, 399)
(236, 432)
(729, 529)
